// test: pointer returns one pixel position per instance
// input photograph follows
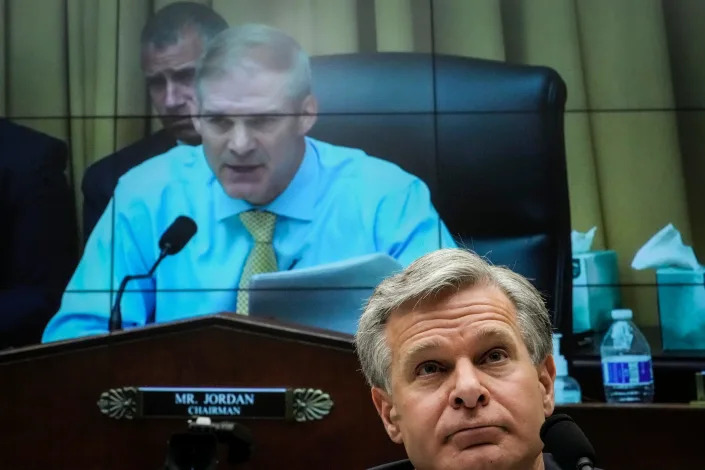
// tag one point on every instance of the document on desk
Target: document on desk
(329, 296)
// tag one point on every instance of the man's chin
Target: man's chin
(244, 193)
(483, 456)
(182, 130)
(487, 457)
(186, 135)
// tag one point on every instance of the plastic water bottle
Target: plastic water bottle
(567, 389)
(627, 373)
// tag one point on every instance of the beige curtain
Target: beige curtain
(35, 77)
(616, 65)
(686, 36)
(634, 162)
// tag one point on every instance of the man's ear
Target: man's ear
(387, 411)
(547, 377)
(309, 114)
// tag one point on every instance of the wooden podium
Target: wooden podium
(50, 392)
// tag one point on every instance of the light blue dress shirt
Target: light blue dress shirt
(341, 203)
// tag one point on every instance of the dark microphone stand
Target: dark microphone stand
(171, 242)
(115, 323)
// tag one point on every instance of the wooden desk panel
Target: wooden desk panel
(643, 437)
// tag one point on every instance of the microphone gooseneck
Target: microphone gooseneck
(171, 242)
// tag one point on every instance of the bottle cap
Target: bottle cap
(621, 314)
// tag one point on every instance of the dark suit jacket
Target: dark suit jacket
(548, 464)
(100, 178)
(38, 234)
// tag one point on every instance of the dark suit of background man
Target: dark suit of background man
(38, 233)
(172, 42)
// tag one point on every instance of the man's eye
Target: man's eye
(185, 76)
(496, 355)
(262, 121)
(155, 82)
(219, 122)
(428, 368)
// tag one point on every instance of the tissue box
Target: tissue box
(595, 290)
(681, 305)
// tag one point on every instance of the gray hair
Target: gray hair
(433, 276)
(267, 47)
(166, 26)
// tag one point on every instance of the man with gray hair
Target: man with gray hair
(458, 355)
(171, 43)
(265, 196)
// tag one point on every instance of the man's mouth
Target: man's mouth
(243, 173)
(243, 169)
(474, 436)
(179, 122)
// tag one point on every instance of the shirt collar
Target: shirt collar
(296, 202)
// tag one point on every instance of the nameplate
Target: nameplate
(299, 404)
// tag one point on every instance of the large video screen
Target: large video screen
(418, 125)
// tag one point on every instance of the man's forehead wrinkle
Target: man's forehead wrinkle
(171, 62)
(458, 312)
(421, 346)
(442, 330)
(439, 336)
(183, 66)
(490, 331)
(467, 299)
(170, 70)
(224, 109)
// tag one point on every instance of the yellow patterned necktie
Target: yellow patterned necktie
(261, 259)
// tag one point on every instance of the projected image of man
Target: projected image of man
(264, 195)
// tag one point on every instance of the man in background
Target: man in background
(38, 234)
(264, 195)
(458, 355)
(172, 41)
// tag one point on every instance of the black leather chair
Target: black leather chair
(487, 138)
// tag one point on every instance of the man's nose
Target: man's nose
(468, 390)
(241, 140)
(174, 97)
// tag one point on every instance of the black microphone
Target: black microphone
(567, 443)
(172, 241)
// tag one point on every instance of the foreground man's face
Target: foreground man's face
(464, 392)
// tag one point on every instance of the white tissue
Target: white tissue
(665, 249)
(581, 242)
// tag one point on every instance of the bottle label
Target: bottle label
(627, 370)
